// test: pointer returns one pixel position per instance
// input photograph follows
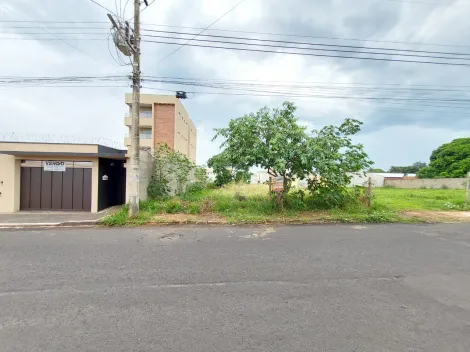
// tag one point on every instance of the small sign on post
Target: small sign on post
(277, 184)
(55, 166)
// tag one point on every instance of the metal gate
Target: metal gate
(56, 190)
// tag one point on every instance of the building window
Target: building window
(145, 113)
(145, 134)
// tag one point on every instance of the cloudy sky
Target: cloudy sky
(408, 109)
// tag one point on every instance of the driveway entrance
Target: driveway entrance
(68, 188)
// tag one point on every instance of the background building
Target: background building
(163, 119)
(60, 177)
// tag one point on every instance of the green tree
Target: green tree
(449, 160)
(273, 140)
(169, 165)
(412, 169)
(226, 169)
(332, 159)
(270, 139)
(375, 170)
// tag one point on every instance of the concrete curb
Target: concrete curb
(49, 224)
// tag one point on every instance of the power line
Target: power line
(105, 8)
(300, 43)
(270, 82)
(206, 28)
(391, 52)
(239, 31)
(63, 40)
(314, 37)
(311, 54)
(318, 49)
(143, 9)
(420, 2)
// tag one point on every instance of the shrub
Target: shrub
(295, 200)
(379, 217)
(174, 207)
(240, 197)
(195, 187)
(211, 185)
(158, 189)
(207, 206)
(194, 209)
(444, 187)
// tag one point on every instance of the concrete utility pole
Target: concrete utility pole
(135, 133)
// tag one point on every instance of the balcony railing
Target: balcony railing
(143, 114)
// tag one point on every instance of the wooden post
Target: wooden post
(369, 192)
(467, 195)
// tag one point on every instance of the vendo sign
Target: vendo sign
(58, 166)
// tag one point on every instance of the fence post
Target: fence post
(369, 192)
(467, 195)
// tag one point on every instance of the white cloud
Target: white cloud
(397, 133)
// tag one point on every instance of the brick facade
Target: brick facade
(164, 124)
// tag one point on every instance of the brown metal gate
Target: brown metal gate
(55, 190)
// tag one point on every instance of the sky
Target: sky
(408, 109)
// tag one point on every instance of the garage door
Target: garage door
(56, 190)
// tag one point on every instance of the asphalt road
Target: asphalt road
(303, 288)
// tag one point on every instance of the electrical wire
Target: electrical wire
(105, 8)
(419, 2)
(318, 49)
(240, 31)
(145, 8)
(390, 51)
(300, 43)
(311, 54)
(63, 40)
(206, 28)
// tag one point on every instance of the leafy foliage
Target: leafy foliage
(169, 165)
(449, 160)
(195, 187)
(200, 175)
(413, 169)
(376, 170)
(273, 139)
(332, 158)
(226, 170)
(158, 189)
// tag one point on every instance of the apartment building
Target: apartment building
(163, 119)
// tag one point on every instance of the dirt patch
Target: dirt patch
(439, 216)
(207, 218)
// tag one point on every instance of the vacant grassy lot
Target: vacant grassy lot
(420, 199)
(251, 204)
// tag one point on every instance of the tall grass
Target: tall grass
(251, 203)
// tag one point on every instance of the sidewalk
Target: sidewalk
(41, 218)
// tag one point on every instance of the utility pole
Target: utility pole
(135, 133)
(129, 45)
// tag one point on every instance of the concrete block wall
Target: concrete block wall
(435, 183)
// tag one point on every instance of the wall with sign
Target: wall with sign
(9, 184)
(54, 166)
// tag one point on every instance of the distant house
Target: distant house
(210, 174)
(378, 178)
(259, 177)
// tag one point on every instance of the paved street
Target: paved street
(294, 288)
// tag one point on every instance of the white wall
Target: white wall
(259, 177)
(432, 183)
(361, 179)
